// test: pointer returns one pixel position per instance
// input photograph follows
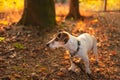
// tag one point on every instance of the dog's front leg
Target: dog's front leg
(72, 67)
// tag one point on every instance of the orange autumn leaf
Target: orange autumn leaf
(113, 53)
(64, 62)
(101, 64)
(43, 69)
(17, 75)
(60, 73)
(92, 59)
(101, 58)
(1, 59)
(94, 21)
(76, 59)
(66, 55)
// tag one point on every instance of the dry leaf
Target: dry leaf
(64, 62)
(94, 21)
(43, 69)
(113, 53)
(25, 65)
(60, 73)
(101, 64)
(99, 69)
(66, 55)
(1, 59)
(13, 55)
(76, 59)
(17, 75)
(92, 59)
(101, 58)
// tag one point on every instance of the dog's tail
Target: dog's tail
(95, 49)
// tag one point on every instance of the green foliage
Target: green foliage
(2, 39)
(19, 46)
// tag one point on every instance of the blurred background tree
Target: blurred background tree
(105, 5)
(38, 13)
(74, 10)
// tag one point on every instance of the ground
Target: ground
(24, 56)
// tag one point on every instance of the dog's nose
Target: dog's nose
(47, 44)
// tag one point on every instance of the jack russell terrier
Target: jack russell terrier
(77, 46)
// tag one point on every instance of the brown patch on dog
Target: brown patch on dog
(62, 36)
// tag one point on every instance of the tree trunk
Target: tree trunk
(74, 10)
(38, 13)
(105, 5)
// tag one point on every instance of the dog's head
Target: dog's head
(60, 39)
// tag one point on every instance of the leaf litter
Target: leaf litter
(23, 54)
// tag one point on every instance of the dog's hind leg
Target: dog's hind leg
(86, 62)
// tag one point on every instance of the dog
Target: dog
(77, 46)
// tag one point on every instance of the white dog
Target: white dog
(77, 46)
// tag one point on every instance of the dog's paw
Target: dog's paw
(88, 71)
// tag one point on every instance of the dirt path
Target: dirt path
(23, 55)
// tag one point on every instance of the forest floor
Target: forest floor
(23, 55)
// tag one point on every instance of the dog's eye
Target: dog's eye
(59, 35)
(56, 39)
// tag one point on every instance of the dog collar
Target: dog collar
(78, 43)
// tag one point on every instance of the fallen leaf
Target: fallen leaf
(64, 62)
(113, 53)
(76, 59)
(1, 59)
(25, 65)
(19, 46)
(94, 21)
(17, 75)
(101, 58)
(60, 73)
(67, 52)
(99, 70)
(66, 55)
(13, 55)
(92, 59)
(2, 38)
(101, 64)
(43, 69)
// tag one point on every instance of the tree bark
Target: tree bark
(74, 10)
(105, 5)
(38, 13)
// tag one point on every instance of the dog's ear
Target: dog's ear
(59, 35)
(64, 37)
